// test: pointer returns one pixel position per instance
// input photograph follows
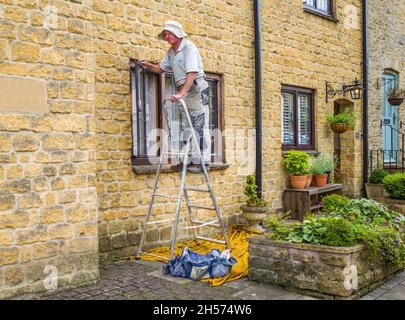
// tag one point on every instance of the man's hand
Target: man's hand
(151, 66)
(145, 63)
(176, 97)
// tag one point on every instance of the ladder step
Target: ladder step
(164, 196)
(153, 255)
(210, 239)
(191, 188)
(202, 207)
(160, 221)
(202, 224)
(206, 223)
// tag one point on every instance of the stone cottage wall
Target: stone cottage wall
(386, 50)
(223, 30)
(48, 201)
(69, 192)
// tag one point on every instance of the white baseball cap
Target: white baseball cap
(174, 27)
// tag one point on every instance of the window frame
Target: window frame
(141, 160)
(296, 91)
(314, 9)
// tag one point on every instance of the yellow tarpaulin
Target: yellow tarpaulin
(237, 235)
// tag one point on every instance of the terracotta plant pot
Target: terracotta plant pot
(321, 179)
(309, 180)
(339, 127)
(298, 182)
(395, 101)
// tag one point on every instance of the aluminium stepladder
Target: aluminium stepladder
(183, 190)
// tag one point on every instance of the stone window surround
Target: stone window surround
(295, 90)
(142, 165)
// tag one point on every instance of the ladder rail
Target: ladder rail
(155, 184)
(192, 139)
(204, 169)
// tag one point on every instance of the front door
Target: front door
(389, 118)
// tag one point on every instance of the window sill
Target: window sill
(310, 152)
(322, 15)
(166, 168)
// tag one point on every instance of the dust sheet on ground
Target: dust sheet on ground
(237, 235)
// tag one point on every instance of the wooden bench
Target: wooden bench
(302, 201)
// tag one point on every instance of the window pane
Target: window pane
(304, 120)
(213, 114)
(135, 103)
(288, 118)
(323, 5)
(151, 115)
(144, 112)
(173, 113)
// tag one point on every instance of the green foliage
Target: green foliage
(395, 185)
(322, 165)
(396, 93)
(365, 211)
(334, 203)
(377, 175)
(279, 231)
(349, 222)
(296, 162)
(343, 117)
(250, 192)
(387, 242)
(332, 231)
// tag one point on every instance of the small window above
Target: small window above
(322, 8)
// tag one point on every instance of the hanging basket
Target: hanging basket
(395, 101)
(339, 127)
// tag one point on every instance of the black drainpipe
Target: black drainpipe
(365, 93)
(258, 86)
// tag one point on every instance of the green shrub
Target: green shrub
(334, 203)
(331, 231)
(296, 162)
(322, 165)
(377, 176)
(343, 117)
(252, 198)
(395, 185)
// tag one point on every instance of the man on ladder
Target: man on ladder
(184, 60)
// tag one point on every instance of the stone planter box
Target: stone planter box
(394, 204)
(375, 191)
(316, 270)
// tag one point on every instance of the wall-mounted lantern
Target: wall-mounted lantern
(356, 89)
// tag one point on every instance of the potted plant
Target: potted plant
(341, 122)
(309, 178)
(374, 187)
(296, 164)
(396, 96)
(320, 168)
(255, 209)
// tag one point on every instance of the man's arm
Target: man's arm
(151, 66)
(186, 86)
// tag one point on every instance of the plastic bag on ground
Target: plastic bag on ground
(196, 266)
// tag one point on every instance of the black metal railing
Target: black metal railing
(391, 158)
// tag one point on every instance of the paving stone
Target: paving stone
(140, 280)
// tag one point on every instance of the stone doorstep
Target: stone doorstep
(305, 246)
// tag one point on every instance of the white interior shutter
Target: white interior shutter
(288, 118)
(304, 120)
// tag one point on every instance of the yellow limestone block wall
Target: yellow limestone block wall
(69, 192)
